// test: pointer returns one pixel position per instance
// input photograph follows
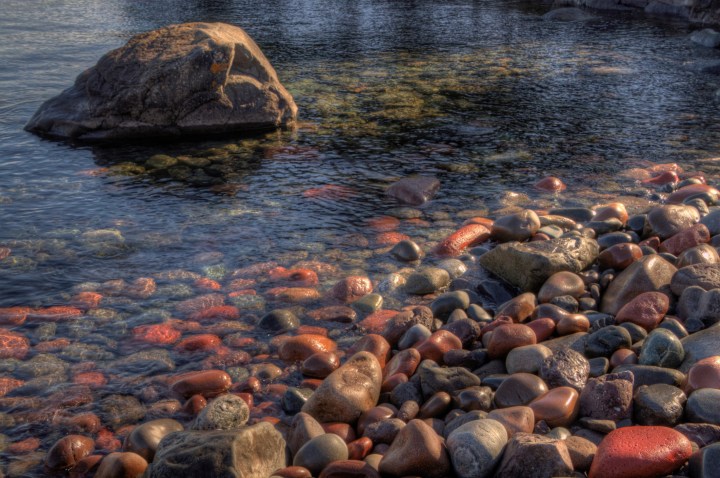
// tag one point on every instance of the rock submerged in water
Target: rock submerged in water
(191, 78)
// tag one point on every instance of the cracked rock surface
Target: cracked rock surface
(191, 78)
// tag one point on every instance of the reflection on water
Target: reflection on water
(485, 96)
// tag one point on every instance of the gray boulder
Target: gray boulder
(250, 452)
(191, 78)
(528, 265)
(706, 37)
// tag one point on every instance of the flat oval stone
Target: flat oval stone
(687, 238)
(320, 365)
(435, 346)
(303, 346)
(663, 450)
(509, 336)
(661, 348)
(427, 281)
(319, 452)
(668, 220)
(561, 283)
(476, 447)
(121, 465)
(527, 358)
(702, 254)
(558, 407)
(348, 391)
(67, 452)
(208, 383)
(516, 227)
(603, 342)
(407, 251)
(373, 343)
(448, 302)
(702, 406)
(645, 310)
(619, 256)
(279, 320)
(519, 389)
(145, 438)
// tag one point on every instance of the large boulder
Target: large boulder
(250, 452)
(528, 265)
(191, 78)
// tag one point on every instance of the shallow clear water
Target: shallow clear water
(486, 96)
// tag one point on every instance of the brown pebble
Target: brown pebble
(67, 452)
(435, 405)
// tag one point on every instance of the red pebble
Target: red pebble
(293, 472)
(375, 323)
(623, 357)
(653, 242)
(206, 283)
(543, 328)
(645, 310)
(194, 405)
(91, 379)
(220, 312)
(239, 284)
(107, 441)
(458, 241)
(509, 336)
(619, 256)
(373, 343)
(384, 223)
(640, 452)
(663, 178)
(55, 314)
(303, 346)
(86, 300)
(613, 210)
(685, 239)
(13, 345)
(332, 192)
(393, 381)
(86, 467)
(208, 383)
(141, 288)
(24, 446)
(202, 342)
(685, 192)
(293, 294)
(343, 430)
(550, 183)
(4, 252)
(13, 315)
(435, 346)
(390, 238)
(351, 288)
(156, 334)
(405, 361)
(192, 306)
(360, 448)
(52, 345)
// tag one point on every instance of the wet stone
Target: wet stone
(516, 227)
(603, 342)
(67, 452)
(279, 320)
(670, 219)
(661, 348)
(448, 302)
(702, 406)
(427, 281)
(320, 451)
(658, 404)
(476, 447)
(226, 412)
(121, 465)
(384, 431)
(294, 399)
(145, 438)
(519, 389)
(117, 410)
(435, 379)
